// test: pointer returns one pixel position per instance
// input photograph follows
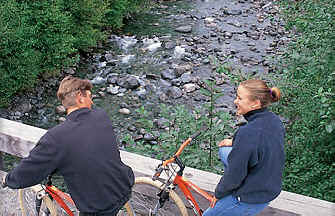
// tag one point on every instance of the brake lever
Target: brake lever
(158, 170)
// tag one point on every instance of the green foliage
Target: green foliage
(87, 17)
(182, 123)
(117, 10)
(309, 79)
(32, 42)
(40, 38)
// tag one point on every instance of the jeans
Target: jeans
(230, 205)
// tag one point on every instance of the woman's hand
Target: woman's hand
(225, 142)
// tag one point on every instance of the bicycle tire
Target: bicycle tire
(144, 199)
(127, 210)
(45, 201)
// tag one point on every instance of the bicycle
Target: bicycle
(51, 201)
(157, 197)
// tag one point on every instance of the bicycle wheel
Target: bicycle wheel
(144, 199)
(28, 205)
(126, 210)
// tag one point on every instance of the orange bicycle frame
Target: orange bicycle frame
(59, 197)
(185, 187)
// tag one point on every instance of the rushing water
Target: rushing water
(153, 62)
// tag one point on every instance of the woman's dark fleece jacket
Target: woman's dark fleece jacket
(84, 150)
(256, 161)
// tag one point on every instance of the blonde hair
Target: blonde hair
(259, 90)
(69, 88)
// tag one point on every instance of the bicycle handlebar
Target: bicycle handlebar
(181, 148)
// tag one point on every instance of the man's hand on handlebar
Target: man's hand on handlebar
(3, 182)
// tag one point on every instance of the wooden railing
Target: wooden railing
(18, 139)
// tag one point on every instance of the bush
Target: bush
(118, 10)
(309, 77)
(35, 40)
(40, 38)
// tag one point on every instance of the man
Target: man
(83, 149)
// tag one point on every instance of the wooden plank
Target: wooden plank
(17, 138)
(19, 135)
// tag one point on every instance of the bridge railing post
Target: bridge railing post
(2, 166)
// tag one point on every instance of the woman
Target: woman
(254, 158)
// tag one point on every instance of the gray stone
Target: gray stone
(174, 92)
(190, 87)
(181, 69)
(170, 45)
(124, 111)
(24, 107)
(161, 123)
(149, 137)
(186, 78)
(164, 83)
(128, 82)
(112, 78)
(98, 80)
(113, 90)
(70, 71)
(184, 29)
(168, 74)
(176, 82)
(124, 105)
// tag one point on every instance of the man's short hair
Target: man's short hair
(70, 87)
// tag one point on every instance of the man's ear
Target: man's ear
(79, 99)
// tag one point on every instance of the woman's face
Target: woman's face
(243, 103)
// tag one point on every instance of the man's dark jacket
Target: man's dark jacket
(256, 161)
(84, 150)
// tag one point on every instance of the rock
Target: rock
(163, 97)
(61, 110)
(176, 82)
(161, 123)
(113, 90)
(174, 92)
(24, 107)
(190, 87)
(184, 29)
(124, 105)
(170, 45)
(138, 137)
(181, 69)
(70, 71)
(152, 76)
(232, 12)
(142, 131)
(186, 78)
(168, 74)
(124, 111)
(131, 128)
(128, 82)
(164, 83)
(98, 80)
(209, 20)
(149, 137)
(112, 78)
(228, 35)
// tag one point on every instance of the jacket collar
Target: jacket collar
(74, 115)
(251, 114)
